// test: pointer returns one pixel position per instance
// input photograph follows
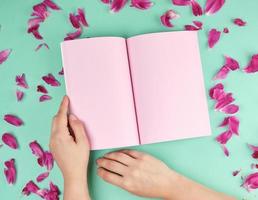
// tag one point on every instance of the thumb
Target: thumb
(78, 129)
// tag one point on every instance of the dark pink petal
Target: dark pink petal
(40, 10)
(19, 95)
(253, 65)
(45, 97)
(198, 24)
(230, 109)
(224, 137)
(254, 166)
(42, 176)
(53, 187)
(74, 35)
(213, 37)
(167, 17)
(196, 8)
(225, 150)
(35, 32)
(10, 171)
(74, 20)
(219, 87)
(4, 55)
(40, 45)
(222, 102)
(232, 122)
(141, 4)
(251, 181)
(181, 2)
(14, 120)
(34, 22)
(117, 5)
(51, 80)
(48, 160)
(10, 140)
(255, 151)
(29, 188)
(82, 18)
(106, 1)
(42, 89)
(225, 30)
(61, 72)
(36, 149)
(231, 63)
(51, 4)
(191, 28)
(222, 73)
(235, 173)
(21, 81)
(239, 22)
(213, 6)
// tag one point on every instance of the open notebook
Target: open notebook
(144, 89)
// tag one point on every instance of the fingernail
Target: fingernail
(73, 117)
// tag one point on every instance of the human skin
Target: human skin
(137, 172)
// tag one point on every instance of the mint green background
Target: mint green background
(200, 159)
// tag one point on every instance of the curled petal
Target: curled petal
(225, 30)
(224, 137)
(252, 67)
(61, 72)
(34, 30)
(239, 22)
(236, 172)
(21, 81)
(213, 37)
(196, 8)
(51, 80)
(141, 4)
(10, 140)
(42, 176)
(213, 6)
(106, 1)
(41, 45)
(230, 109)
(222, 73)
(231, 63)
(224, 101)
(48, 160)
(44, 98)
(167, 17)
(10, 171)
(36, 149)
(191, 28)
(42, 89)
(40, 10)
(29, 188)
(12, 119)
(32, 22)
(251, 181)
(255, 151)
(19, 95)
(4, 55)
(117, 5)
(82, 18)
(198, 24)
(74, 35)
(225, 150)
(181, 2)
(217, 87)
(232, 122)
(51, 4)
(74, 20)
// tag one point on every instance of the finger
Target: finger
(112, 166)
(77, 129)
(120, 157)
(132, 153)
(63, 108)
(110, 177)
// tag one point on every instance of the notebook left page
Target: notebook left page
(98, 83)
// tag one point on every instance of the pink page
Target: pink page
(98, 83)
(168, 86)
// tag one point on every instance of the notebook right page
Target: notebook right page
(168, 86)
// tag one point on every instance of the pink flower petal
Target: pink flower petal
(239, 22)
(196, 8)
(253, 65)
(106, 1)
(10, 171)
(42, 176)
(74, 20)
(254, 166)
(232, 122)
(42, 89)
(198, 24)
(61, 72)
(213, 37)
(74, 35)
(36, 149)
(41, 45)
(225, 150)
(10, 140)
(230, 109)
(48, 160)
(191, 28)
(29, 188)
(82, 18)
(141, 4)
(51, 80)
(181, 2)
(255, 151)
(222, 73)
(45, 97)
(224, 137)
(21, 81)
(219, 87)
(4, 55)
(117, 5)
(222, 102)
(213, 6)
(12, 119)
(225, 30)
(231, 63)
(235, 173)
(19, 95)
(167, 17)
(35, 32)
(40, 10)
(251, 181)
(33, 22)
(51, 4)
